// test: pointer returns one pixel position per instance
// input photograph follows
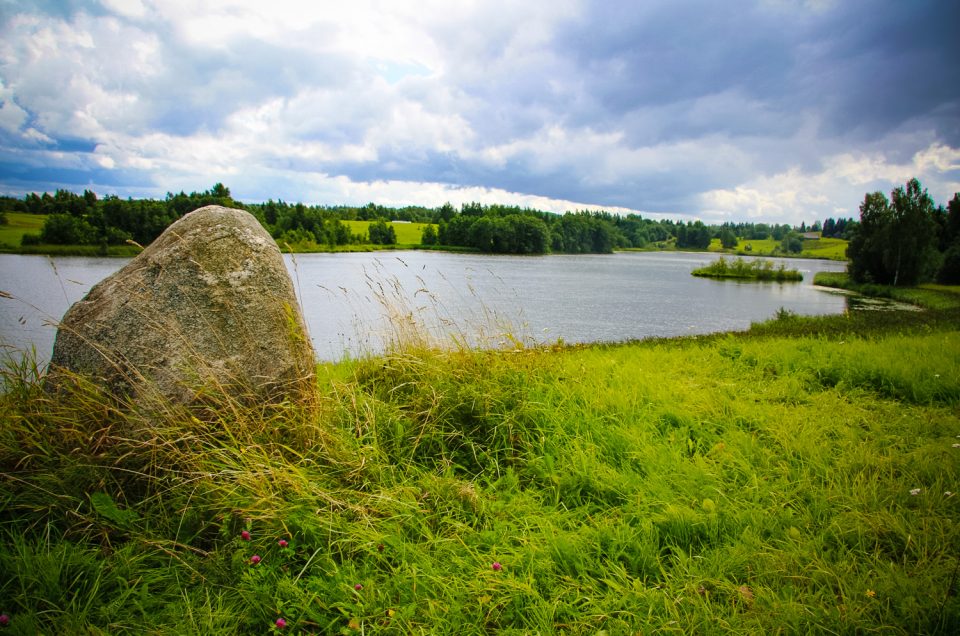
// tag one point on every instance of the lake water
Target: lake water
(355, 304)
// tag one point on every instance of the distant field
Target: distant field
(407, 233)
(829, 248)
(410, 233)
(832, 248)
(19, 224)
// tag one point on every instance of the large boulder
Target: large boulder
(207, 308)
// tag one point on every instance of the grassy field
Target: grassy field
(826, 248)
(798, 478)
(408, 236)
(407, 233)
(17, 225)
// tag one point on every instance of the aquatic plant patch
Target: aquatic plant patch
(740, 269)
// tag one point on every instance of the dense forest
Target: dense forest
(86, 219)
(906, 239)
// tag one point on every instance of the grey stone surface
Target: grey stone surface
(207, 307)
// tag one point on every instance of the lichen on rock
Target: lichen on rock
(207, 307)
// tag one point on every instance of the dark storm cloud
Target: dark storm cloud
(864, 67)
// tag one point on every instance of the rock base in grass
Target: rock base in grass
(207, 308)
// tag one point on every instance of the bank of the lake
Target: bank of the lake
(799, 478)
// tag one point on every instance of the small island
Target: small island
(748, 270)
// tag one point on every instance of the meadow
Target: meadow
(408, 234)
(828, 248)
(796, 478)
(16, 226)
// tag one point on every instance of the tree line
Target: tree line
(86, 219)
(906, 239)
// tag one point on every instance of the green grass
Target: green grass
(751, 483)
(740, 269)
(825, 248)
(20, 224)
(408, 237)
(17, 225)
(407, 233)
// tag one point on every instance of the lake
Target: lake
(357, 303)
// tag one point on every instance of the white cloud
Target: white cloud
(126, 8)
(12, 117)
(794, 196)
(400, 193)
(389, 101)
(79, 78)
(32, 134)
(937, 157)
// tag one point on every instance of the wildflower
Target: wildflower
(255, 559)
(4, 620)
(496, 566)
(281, 623)
(245, 535)
(282, 543)
(358, 587)
(915, 491)
(871, 594)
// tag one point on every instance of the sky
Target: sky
(776, 111)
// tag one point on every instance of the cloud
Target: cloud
(777, 108)
(844, 178)
(127, 8)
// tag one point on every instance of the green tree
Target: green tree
(896, 241)
(867, 246)
(728, 239)
(694, 234)
(220, 191)
(950, 243)
(446, 212)
(949, 273)
(382, 234)
(471, 209)
(951, 228)
(791, 243)
(914, 235)
(429, 235)
(64, 229)
(484, 231)
(530, 234)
